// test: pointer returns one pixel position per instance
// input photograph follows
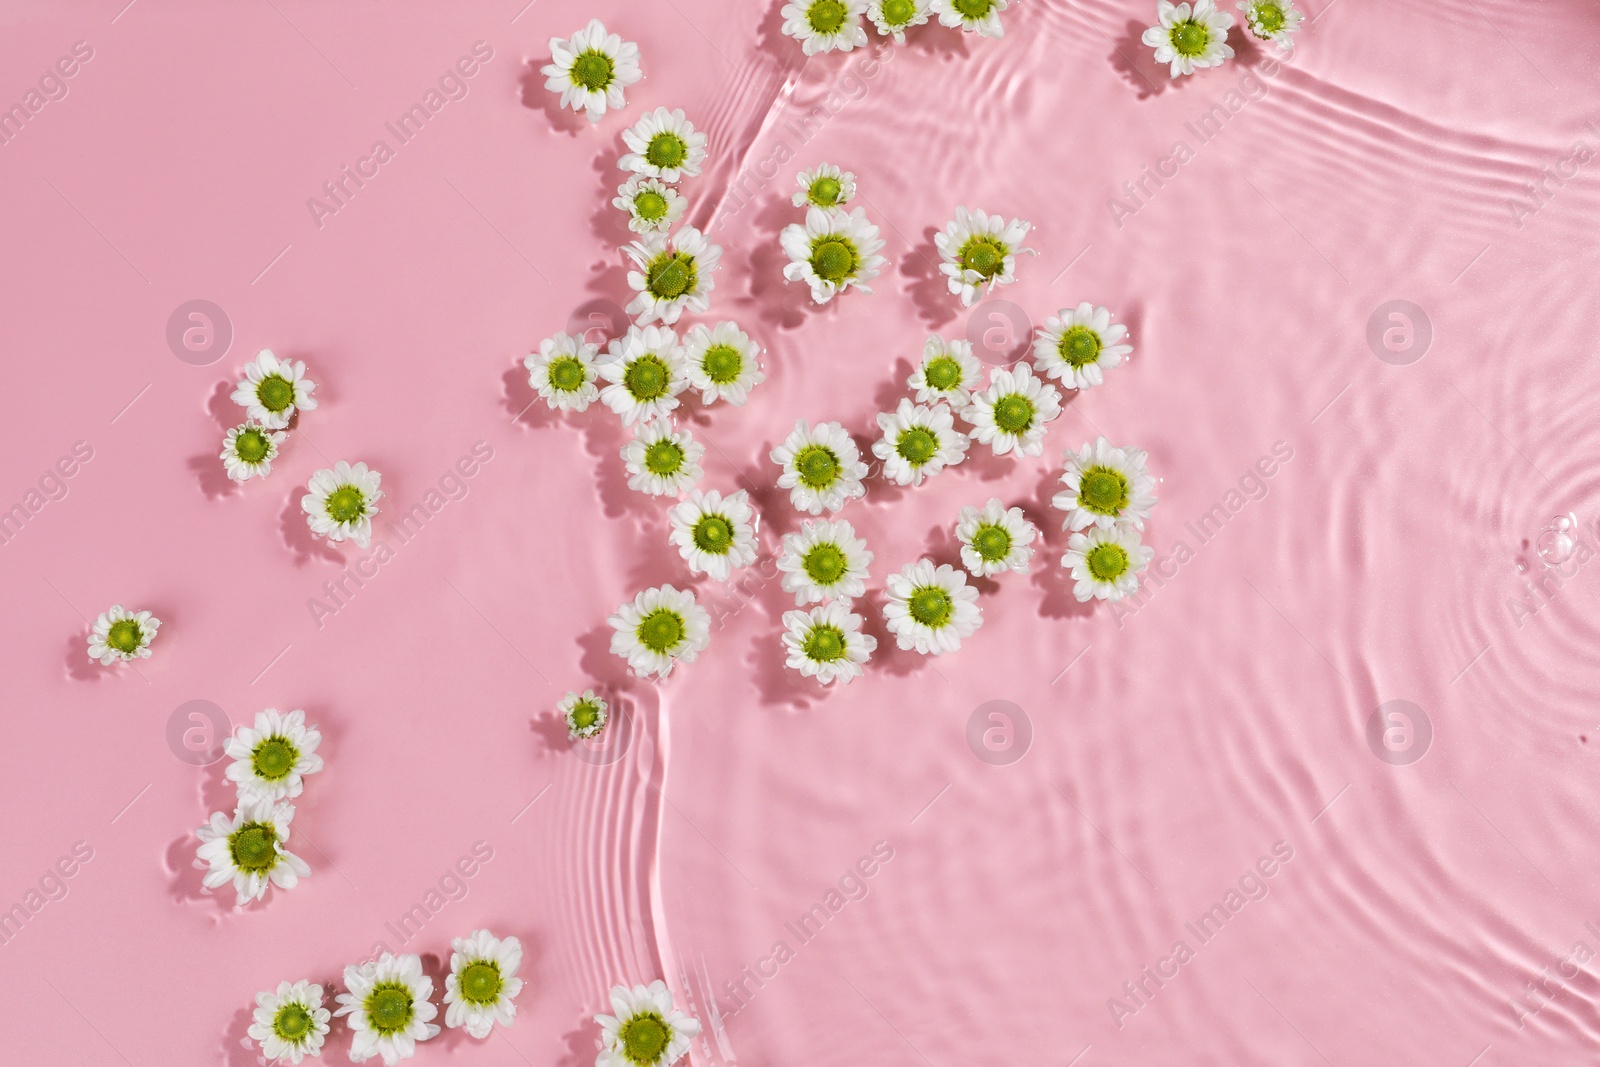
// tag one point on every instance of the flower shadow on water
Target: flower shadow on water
(297, 535)
(582, 1043)
(79, 667)
(536, 97)
(1135, 61)
(930, 288)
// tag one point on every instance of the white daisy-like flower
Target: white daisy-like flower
(273, 389)
(1189, 37)
(658, 629)
(1106, 563)
(918, 442)
(894, 17)
(832, 251)
(271, 758)
(994, 539)
(825, 25)
(646, 1031)
(121, 636)
(662, 460)
(291, 1023)
(248, 851)
(1105, 487)
(824, 561)
(824, 186)
(1272, 20)
(674, 275)
(975, 16)
(341, 502)
(645, 369)
(482, 982)
(248, 451)
(665, 145)
(930, 609)
(1078, 345)
(826, 643)
(822, 467)
(388, 1007)
(1014, 411)
(980, 252)
(563, 372)
(652, 205)
(592, 69)
(948, 371)
(721, 362)
(714, 533)
(585, 714)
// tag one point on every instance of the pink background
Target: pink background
(1172, 746)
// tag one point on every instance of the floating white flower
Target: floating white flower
(658, 629)
(826, 643)
(1190, 36)
(248, 451)
(822, 467)
(918, 442)
(1106, 563)
(1272, 20)
(273, 389)
(721, 362)
(665, 145)
(825, 25)
(1105, 487)
(646, 1031)
(824, 186)
(715, 534)
(823, 561)
(1014, 411)
(563, 372)
(341, 502)
(121, 636)
(975, 16)
(662, 460)
(388, 1007)
(948, 372)
(592, 69)
(832, 251)
(980, 251)
(482, 982)
(645, 369)
(290, 1024)
(931, 609)
(248, 851)
(994, 539)
(1078, 345)
(271, 758)
(674, 275)
(652, 205)
(585, 715)
(894, 17)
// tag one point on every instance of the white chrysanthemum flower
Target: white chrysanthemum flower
(1078, 345)
(658, 629)
(248, 451)
(592, 69)
(948, 371)
(894, 17)
(652, 205)
(1106, 563)
(389, 1007)
(663, 460)
(1190, 36)
(121, 636)
(341, 502)
(930, 609)
(1014, 411)
(826, 643)
(980, 252)
(645, 369)
(585, 715)
(290, 1024)
(563, 372)
(822, 467)
(1272, 20)
(832, 251)
(273, 389)
(975, 16)
(824, 186)
(918, 442)
(646, 1031)
(1105, 487)
(824, 561)
(994, 539)
(271, 758)
(665, 145)
(825, 25)
(714, 533)
(248, 851)
(721, 362)
(674, 275)
(482, 982)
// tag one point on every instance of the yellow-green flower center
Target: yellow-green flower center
(644, 1038)
(346, 504)
(275, 393)
(983, 254)
(670, 275)
(254, 847)
(663, 457)
(1013, 414)
(825, 191)
(567, 374)
(592, 70)
(1103, 491)
(931, 606)
(898, 12)
(480, 982)
(125, 636)
(647, 378)
(916, 446)
(584, 714)
(1189, 38)
(1107, 562)
(826, 16)
(824, 644)
(825, 564)
(293, 1023)
(942, 373)
(1266, 18)
(722, 364)
(274, 758)
(251, 446)
(713, 534)
(666, 149)
(973, 9)
(1079, 346)
(389, 1008)
(834, 259)
(661, 631)
(650, 205)
(817, 466)
(992, 543)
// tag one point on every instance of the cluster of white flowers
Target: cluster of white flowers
(835, 248)
(1189, 37)
(835, 25)
(273, 393)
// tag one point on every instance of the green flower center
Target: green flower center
(713, 534)
(1103, 491)
(293, 1023)
(650, 205)
(665, 150)
(992, 543)
(1079, 346)
(346, 504)
(592, 70)
(1107, 562)
(671, 275)
(973, 9)
(722, 364)
(125, 636)
(251, 446)
(982, 253)
(833, 259)
(661, 630)
(931, 606)
(898, 12)
(254, 847)
(274, 758)
(942, 373)
(645, 1036)
(275, 393)
(584, 714)
(817, 465)
(646, 378)
(663, 457)
(824, 644)
(825, 564)
(567, 374)
(1268, 18)
(825, 192)
(480, 981)
(916, 446)
(1013, 414)
(389, 1008)
(1189, 38)
(826, 16)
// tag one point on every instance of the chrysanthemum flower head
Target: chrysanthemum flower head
(664, 144)
(340, 503)
(821, 467)
(832, 251)
(291, 1024)
(1189, 37)
(646, 372)
(121, 636)
(248, 851)
(1272, 20)
(715, 534)
(975, 16)
(825, 25)
(1013, 413)
(1105, 486)
(721, 362)
(585, 714)
(979, 251)
(271, 390)
(918, 442)
(646, 1031)
(948, 371)
(931, 608)
(272, 758)
(651, 204)
(894, 17)
(1078, 345)
(482, 981)
(1106, 562)
(674, 275)
(825, 186)
(658, 629)
(824, 560)
(563, 372)
(994, 539)
(248, 451)
(388, 1007)
(591, 69)
(826, 643)
(663, 460)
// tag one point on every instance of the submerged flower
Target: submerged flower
(975, 16)
(271, 758)
(1014, 411)
(273, 389)
(994, 539)
(894, 17)
(652, 205)
(1078, 345)
(1106, 562)
(980, 252)
(341, 502)
(822, 467)
(674, 275)
(248, 451)
(389, 1008)
(563, 372)
(664, 145)
(825, 25)
(826, 643)
(659, 628)
(645, 369)
(832, 251)
(918, 442)
(1105, 487)
(121, 636)
(592, 69)
(646, 1031)
(715, 534)
(662, 460)
(948, 372)
(482, 982)
(1190, 36)
(825, 560)
(248, 851)
(585, 715)
(824, 186)
(930, 609)
(291, 1023)
(720, 361)
(1272, 20)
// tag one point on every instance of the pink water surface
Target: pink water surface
(1171, 754)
